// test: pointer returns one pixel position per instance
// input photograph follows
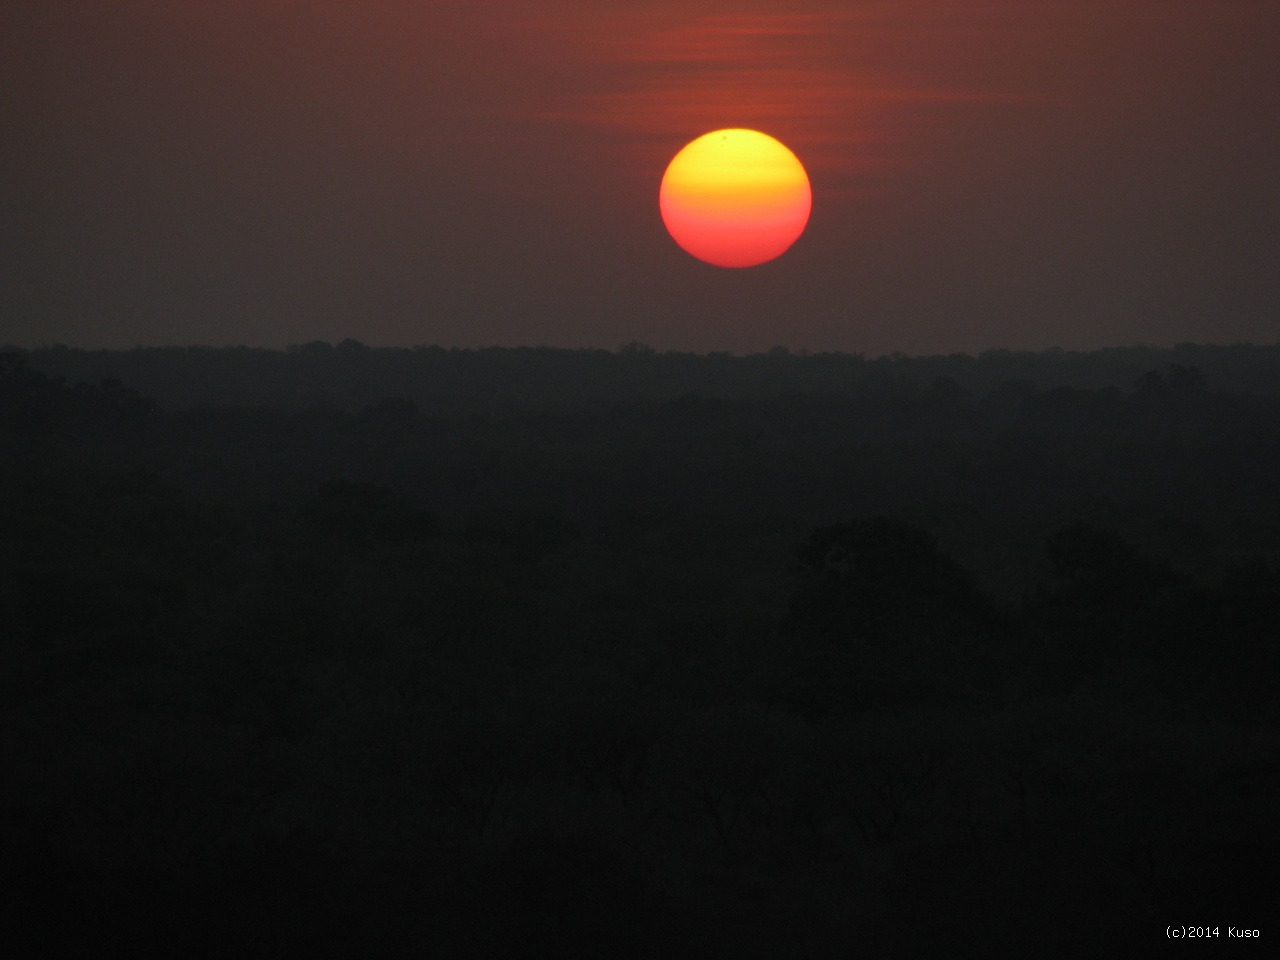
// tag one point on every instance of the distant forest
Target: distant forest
(525, 652)
(351, 375)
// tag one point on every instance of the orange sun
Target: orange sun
(735, 198)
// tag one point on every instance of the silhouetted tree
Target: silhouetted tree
(1104, 602)
(356, 515)
(886, 612)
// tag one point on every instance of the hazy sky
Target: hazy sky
(986, 173)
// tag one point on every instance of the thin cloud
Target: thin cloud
(828, 81)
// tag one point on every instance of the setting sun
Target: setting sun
(735, 198)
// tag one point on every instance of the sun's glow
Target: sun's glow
(735, 198)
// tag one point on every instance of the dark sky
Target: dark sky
(986, 173)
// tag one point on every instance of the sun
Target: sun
(735, 198)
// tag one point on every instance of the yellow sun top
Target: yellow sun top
(736, 161)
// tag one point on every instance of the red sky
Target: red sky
(986, 173)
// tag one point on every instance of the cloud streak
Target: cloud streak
(847, 86)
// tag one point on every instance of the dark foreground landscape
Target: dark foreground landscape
(349, 652)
